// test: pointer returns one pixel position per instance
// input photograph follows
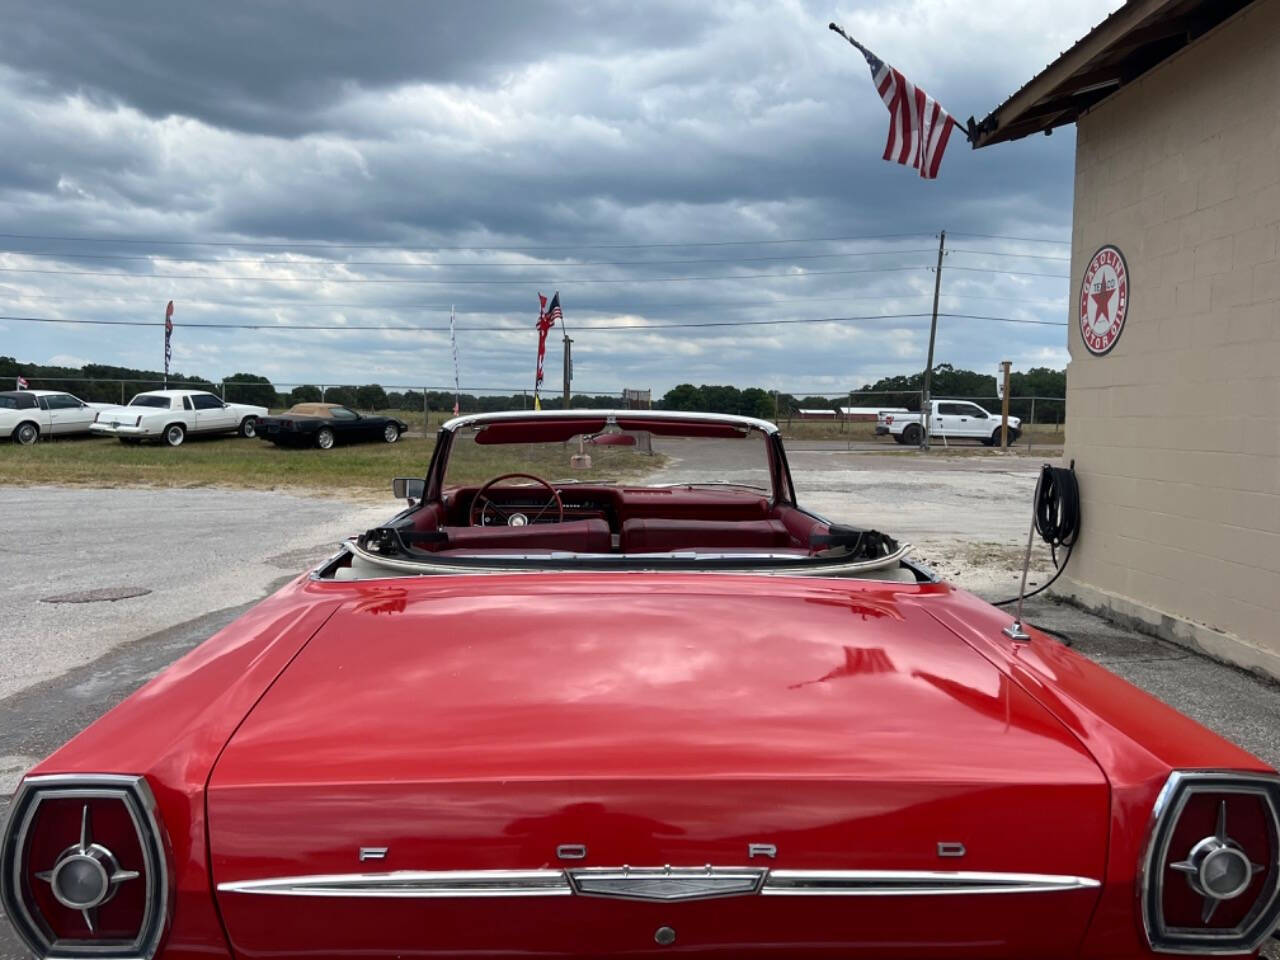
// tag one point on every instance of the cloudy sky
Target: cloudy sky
(350, 165)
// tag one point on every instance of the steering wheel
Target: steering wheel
(482, 503)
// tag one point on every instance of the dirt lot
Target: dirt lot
(967, 517)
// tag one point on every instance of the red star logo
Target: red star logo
(1102, 301)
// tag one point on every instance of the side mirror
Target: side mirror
(408, 488)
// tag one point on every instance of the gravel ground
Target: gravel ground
(193, 551)
(206, 555)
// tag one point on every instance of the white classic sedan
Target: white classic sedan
(28, 415)
(170, 416)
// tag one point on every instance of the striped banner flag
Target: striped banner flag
(919, 128)
(168, 335)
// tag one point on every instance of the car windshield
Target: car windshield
(611, 458)
(147, 400)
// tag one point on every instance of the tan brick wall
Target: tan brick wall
(1176, 432)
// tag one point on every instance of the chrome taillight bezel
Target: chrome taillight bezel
(1261, 920)
(134, 793)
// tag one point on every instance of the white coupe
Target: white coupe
(170, 416)
(28, 415)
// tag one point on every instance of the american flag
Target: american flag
(918, 126)
(22, 382)
(545, 323)
(555, 313)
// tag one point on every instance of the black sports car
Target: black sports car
(324, 424)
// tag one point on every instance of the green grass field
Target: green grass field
(233, 461)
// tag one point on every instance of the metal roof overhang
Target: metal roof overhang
(1134, 39)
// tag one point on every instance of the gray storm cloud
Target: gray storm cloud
(442, 137)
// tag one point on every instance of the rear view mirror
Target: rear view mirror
(408, 488)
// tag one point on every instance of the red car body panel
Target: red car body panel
(480, 725)
(1136, 738)
(173, 728)
(656, 719)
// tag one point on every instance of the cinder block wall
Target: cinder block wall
(1176, 432)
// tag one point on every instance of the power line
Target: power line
(491, 281)
(515, 329)
(1007, 273)
(387, 245)
(997, 253)
(397, 307)
(153, 258)
(998, 236)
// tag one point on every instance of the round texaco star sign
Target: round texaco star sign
(1104, 300)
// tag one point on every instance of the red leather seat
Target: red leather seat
(662, 535)
(578, 536)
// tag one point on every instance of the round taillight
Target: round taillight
(1211, 880)
(82, 867)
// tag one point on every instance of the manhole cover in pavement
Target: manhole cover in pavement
(97, 596)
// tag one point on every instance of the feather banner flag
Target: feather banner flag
(546, 320)
(168, 334)
(919, 129)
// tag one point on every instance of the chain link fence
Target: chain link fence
(791, 409)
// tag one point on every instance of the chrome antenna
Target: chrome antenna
(1014, 630)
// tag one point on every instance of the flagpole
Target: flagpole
(926, 406)
(568, 356)
(969, 130)
(840, 30)
(457, 388)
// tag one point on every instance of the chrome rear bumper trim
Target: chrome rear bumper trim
(888, 883)
(636, 883)
(413, 883)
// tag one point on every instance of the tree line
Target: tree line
(98, 382)
(899, 391)
(93, 382)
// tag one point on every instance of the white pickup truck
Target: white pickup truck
(169, 416)
(952, 420)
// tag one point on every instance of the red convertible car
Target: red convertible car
(626, 697)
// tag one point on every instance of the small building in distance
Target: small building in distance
(815, 413)
(867, 414)
(1173, 389)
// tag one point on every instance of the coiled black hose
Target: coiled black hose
(1057, 515)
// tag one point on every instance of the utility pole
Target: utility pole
(1004, 405)
(925, 397)
(568, 368)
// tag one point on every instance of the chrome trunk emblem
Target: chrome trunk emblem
(667, 883)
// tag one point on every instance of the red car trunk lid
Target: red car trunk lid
(551, 723)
